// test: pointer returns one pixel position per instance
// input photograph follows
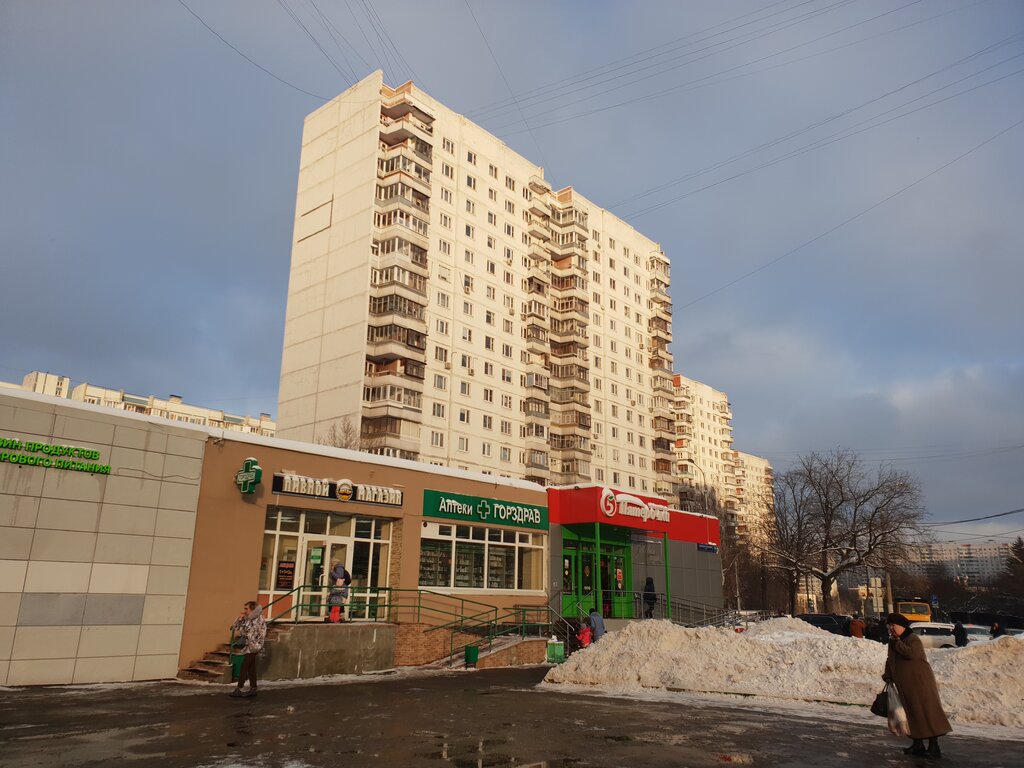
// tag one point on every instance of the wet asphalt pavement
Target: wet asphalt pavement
(464, 719)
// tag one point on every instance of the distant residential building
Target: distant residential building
(703, 450)
(754, 496)
(171, 408)
(974, 564)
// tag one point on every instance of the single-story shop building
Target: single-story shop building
(128, 543)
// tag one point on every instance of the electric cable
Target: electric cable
(349, 80)
(251, 61)
(851, 219)
(976, 519)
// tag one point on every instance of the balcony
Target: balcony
(538, 228)
(394, 130)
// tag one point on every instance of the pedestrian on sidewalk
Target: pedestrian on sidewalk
(584, 635)
(907, 667)
(650, 598)
(596, 624)
(250, 631)
(336, 600)
(856, 626)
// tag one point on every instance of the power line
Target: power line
(505, 79)
(251, 61)
(853, 218)
(316, 43)
(574, 84)
(340, 34)
(397, 51)
(334, 35)
(369, 45)
(605, 68)
(831, 118)
(380, 40)
(976, 519)
(702, 82)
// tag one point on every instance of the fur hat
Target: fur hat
(899, 618)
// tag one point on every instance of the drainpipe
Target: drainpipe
(598, 602)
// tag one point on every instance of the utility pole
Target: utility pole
(888, 593)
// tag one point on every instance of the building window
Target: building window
(463, 444)
(440, 381)
(475, 557)
(470, 182)
(439, 410)
(448, 145)
(488, 422)
(437, 439)
(471, 157)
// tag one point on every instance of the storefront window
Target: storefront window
(287, 560)
(469, 564)
(316, 522)
(290, 521)
(476, 557)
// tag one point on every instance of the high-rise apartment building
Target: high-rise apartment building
(754, 497)
(704, 456)
(450, 305)
(974, 564)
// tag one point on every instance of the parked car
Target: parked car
(934, 634)
(976, 633)
(830, 622)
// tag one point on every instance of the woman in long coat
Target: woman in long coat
(908, 668)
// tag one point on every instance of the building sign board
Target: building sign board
(341, 490)
(285, 579)
(477, 509)
(51, 456)
(249, 476)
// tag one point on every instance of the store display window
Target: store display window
(476, 557)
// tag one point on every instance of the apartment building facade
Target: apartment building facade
(754, 497)
(974, 564)
(452, 307)
(172, 407)
(705, 460)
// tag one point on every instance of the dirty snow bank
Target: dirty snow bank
(782, 659)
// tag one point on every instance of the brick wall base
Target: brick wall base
(414, 645)
(525, 652)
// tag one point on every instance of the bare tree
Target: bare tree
(342, 434)
(832, 515)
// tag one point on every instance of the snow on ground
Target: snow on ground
(790, 659)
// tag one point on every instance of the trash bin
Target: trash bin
(556, 652)
(236, 665)
(472, 654)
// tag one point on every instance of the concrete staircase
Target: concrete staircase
(215, 666)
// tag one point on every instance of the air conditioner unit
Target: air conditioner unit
(466, 288)
(633, 403)
(447, 365)
(512, 311)
(522, 315)
(472, 371)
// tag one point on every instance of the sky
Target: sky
(838, 185)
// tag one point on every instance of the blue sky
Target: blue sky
(147, 178)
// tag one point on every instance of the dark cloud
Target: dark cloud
(147, 179)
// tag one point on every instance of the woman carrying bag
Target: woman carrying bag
(907, 667)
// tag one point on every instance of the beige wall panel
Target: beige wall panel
(6, 642)
(167, 580)
(179, 496)
(181, 445)
(132, 462)
(140, 439)
(4, 666)
(109, 641)
(315, 173)
(307, 274)
(322, 121)
(36, 419)
(182, 469)
(117, 518)
(334, 404)
(45, 642)
(10, 604)
(15, 543)
(164, 609)
(318, 147)
(300, 384)
(304, 328)
(68, 515)
(132, 491)
(115, 578)
(155, 667)
(175, 523)
(79, 430)
(63, 546)
(16, 480)
(12, 575)
(347, 372)
(41, 672)
(315, 220)
(123, 548)
(18, 511)
(171, 551)
(104, 670)
(43, 576)
(302, 355)
(157, 640)
(313, 247)
(77, 486)
(307, 300)
(350, 315)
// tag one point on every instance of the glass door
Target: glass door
(319, 557)
(570, 580)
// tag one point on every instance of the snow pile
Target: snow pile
(782, 659)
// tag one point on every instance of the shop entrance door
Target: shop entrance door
(616, 592)
(318, 555)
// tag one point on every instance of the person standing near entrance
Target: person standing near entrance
(250, 632)
(338, 596)
(650, 598)
(596, 625)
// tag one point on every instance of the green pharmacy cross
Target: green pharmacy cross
(483, 509)
(249, 476)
